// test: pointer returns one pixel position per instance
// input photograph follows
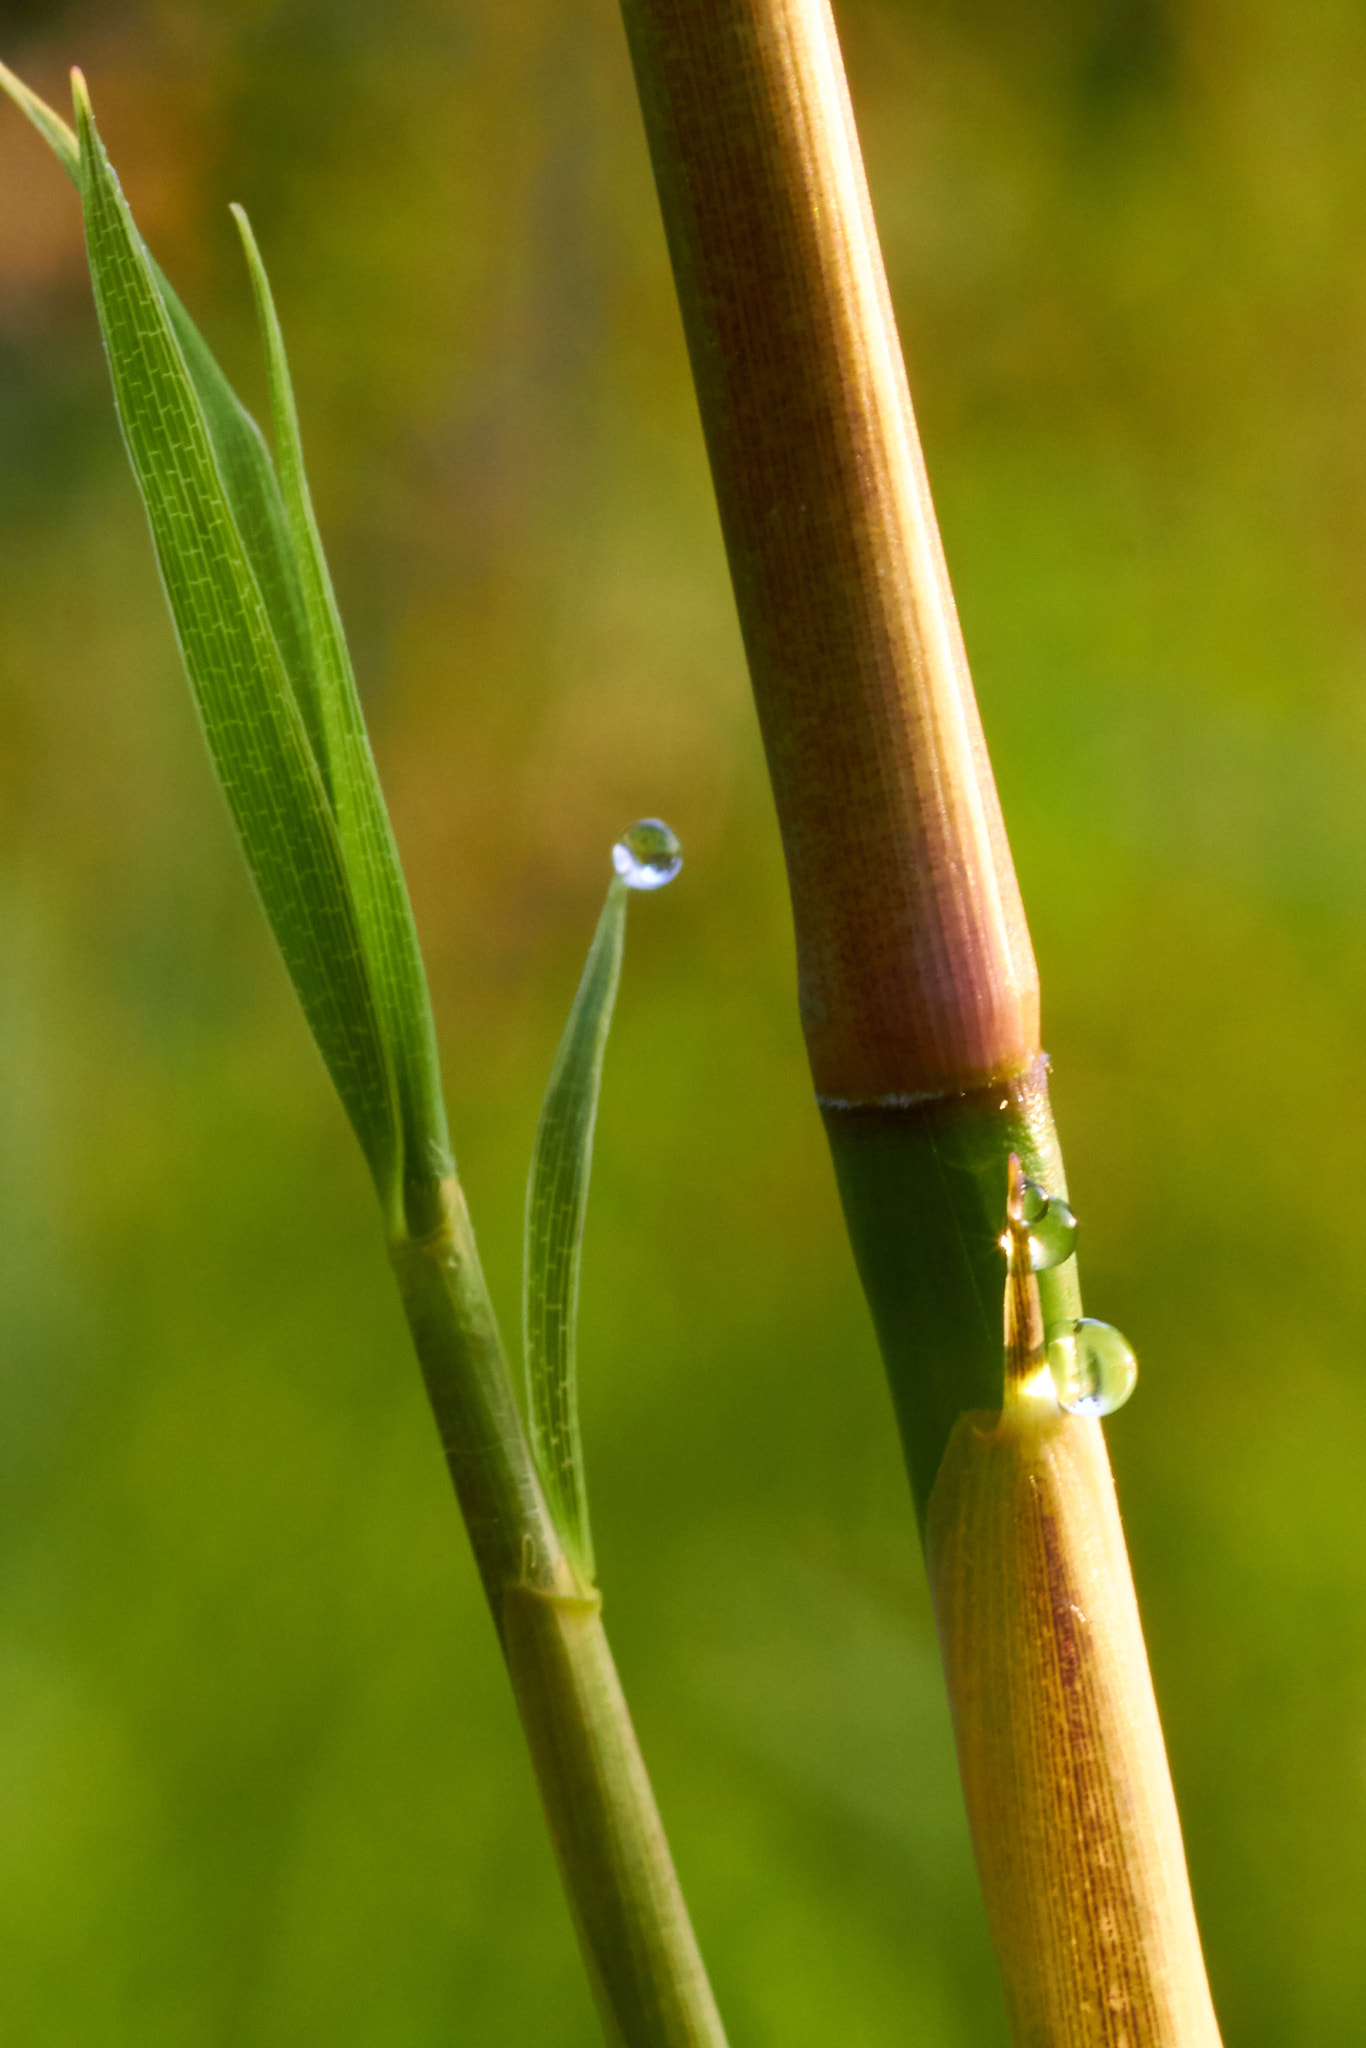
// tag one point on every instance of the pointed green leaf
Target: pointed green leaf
(556, 1201)
(378, 888)
(285, 556)
(50, 125)
(253, 494)
(243, 460)
(253, 724)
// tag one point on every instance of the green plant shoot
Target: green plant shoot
(557, 1195)
(263, 647)
(257, 622)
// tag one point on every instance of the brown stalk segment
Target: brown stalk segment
(916, 972)
(1074, 1823)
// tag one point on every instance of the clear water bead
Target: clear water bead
(1052, 1226)
(648, 855)
(1033, 1200)
(1093, 1368)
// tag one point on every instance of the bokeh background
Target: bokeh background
(259, 1777)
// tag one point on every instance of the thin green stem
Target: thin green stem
(455, 1334)
(642, 1957)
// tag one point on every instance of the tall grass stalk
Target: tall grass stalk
(257, 623)
(919, 999)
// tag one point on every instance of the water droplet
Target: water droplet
(1092, 1366)
(648, 855)
(1051, 1224)
(1033, 1200)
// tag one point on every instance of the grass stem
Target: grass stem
(642, 1957)
(919, 997)
(915, 969)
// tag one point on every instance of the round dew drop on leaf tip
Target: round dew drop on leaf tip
(1093, 1368)
(647, 855)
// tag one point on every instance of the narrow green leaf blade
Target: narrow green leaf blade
(243, 459)
(251, 720)
(50, 125)
(556, 1202)
(380, 893)
(253, 494)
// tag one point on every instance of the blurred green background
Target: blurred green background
(259, 1777)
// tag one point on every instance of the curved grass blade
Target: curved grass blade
(50, 125)
(378, 888)
(243, 459)
(253, 494)
(556, 1200)
(285, 555)
(251, 718)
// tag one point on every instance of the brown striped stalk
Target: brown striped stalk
(919, 999)
(1074, 1823)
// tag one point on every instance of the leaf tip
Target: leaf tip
(50, 126)
(244, 229)
(84, 112)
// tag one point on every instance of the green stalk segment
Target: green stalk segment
(464, 1368)
(923, 1186)
(643, 1960)
(642, 1957)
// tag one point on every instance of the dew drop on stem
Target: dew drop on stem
(1093, 1368)
(1052, 1226)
